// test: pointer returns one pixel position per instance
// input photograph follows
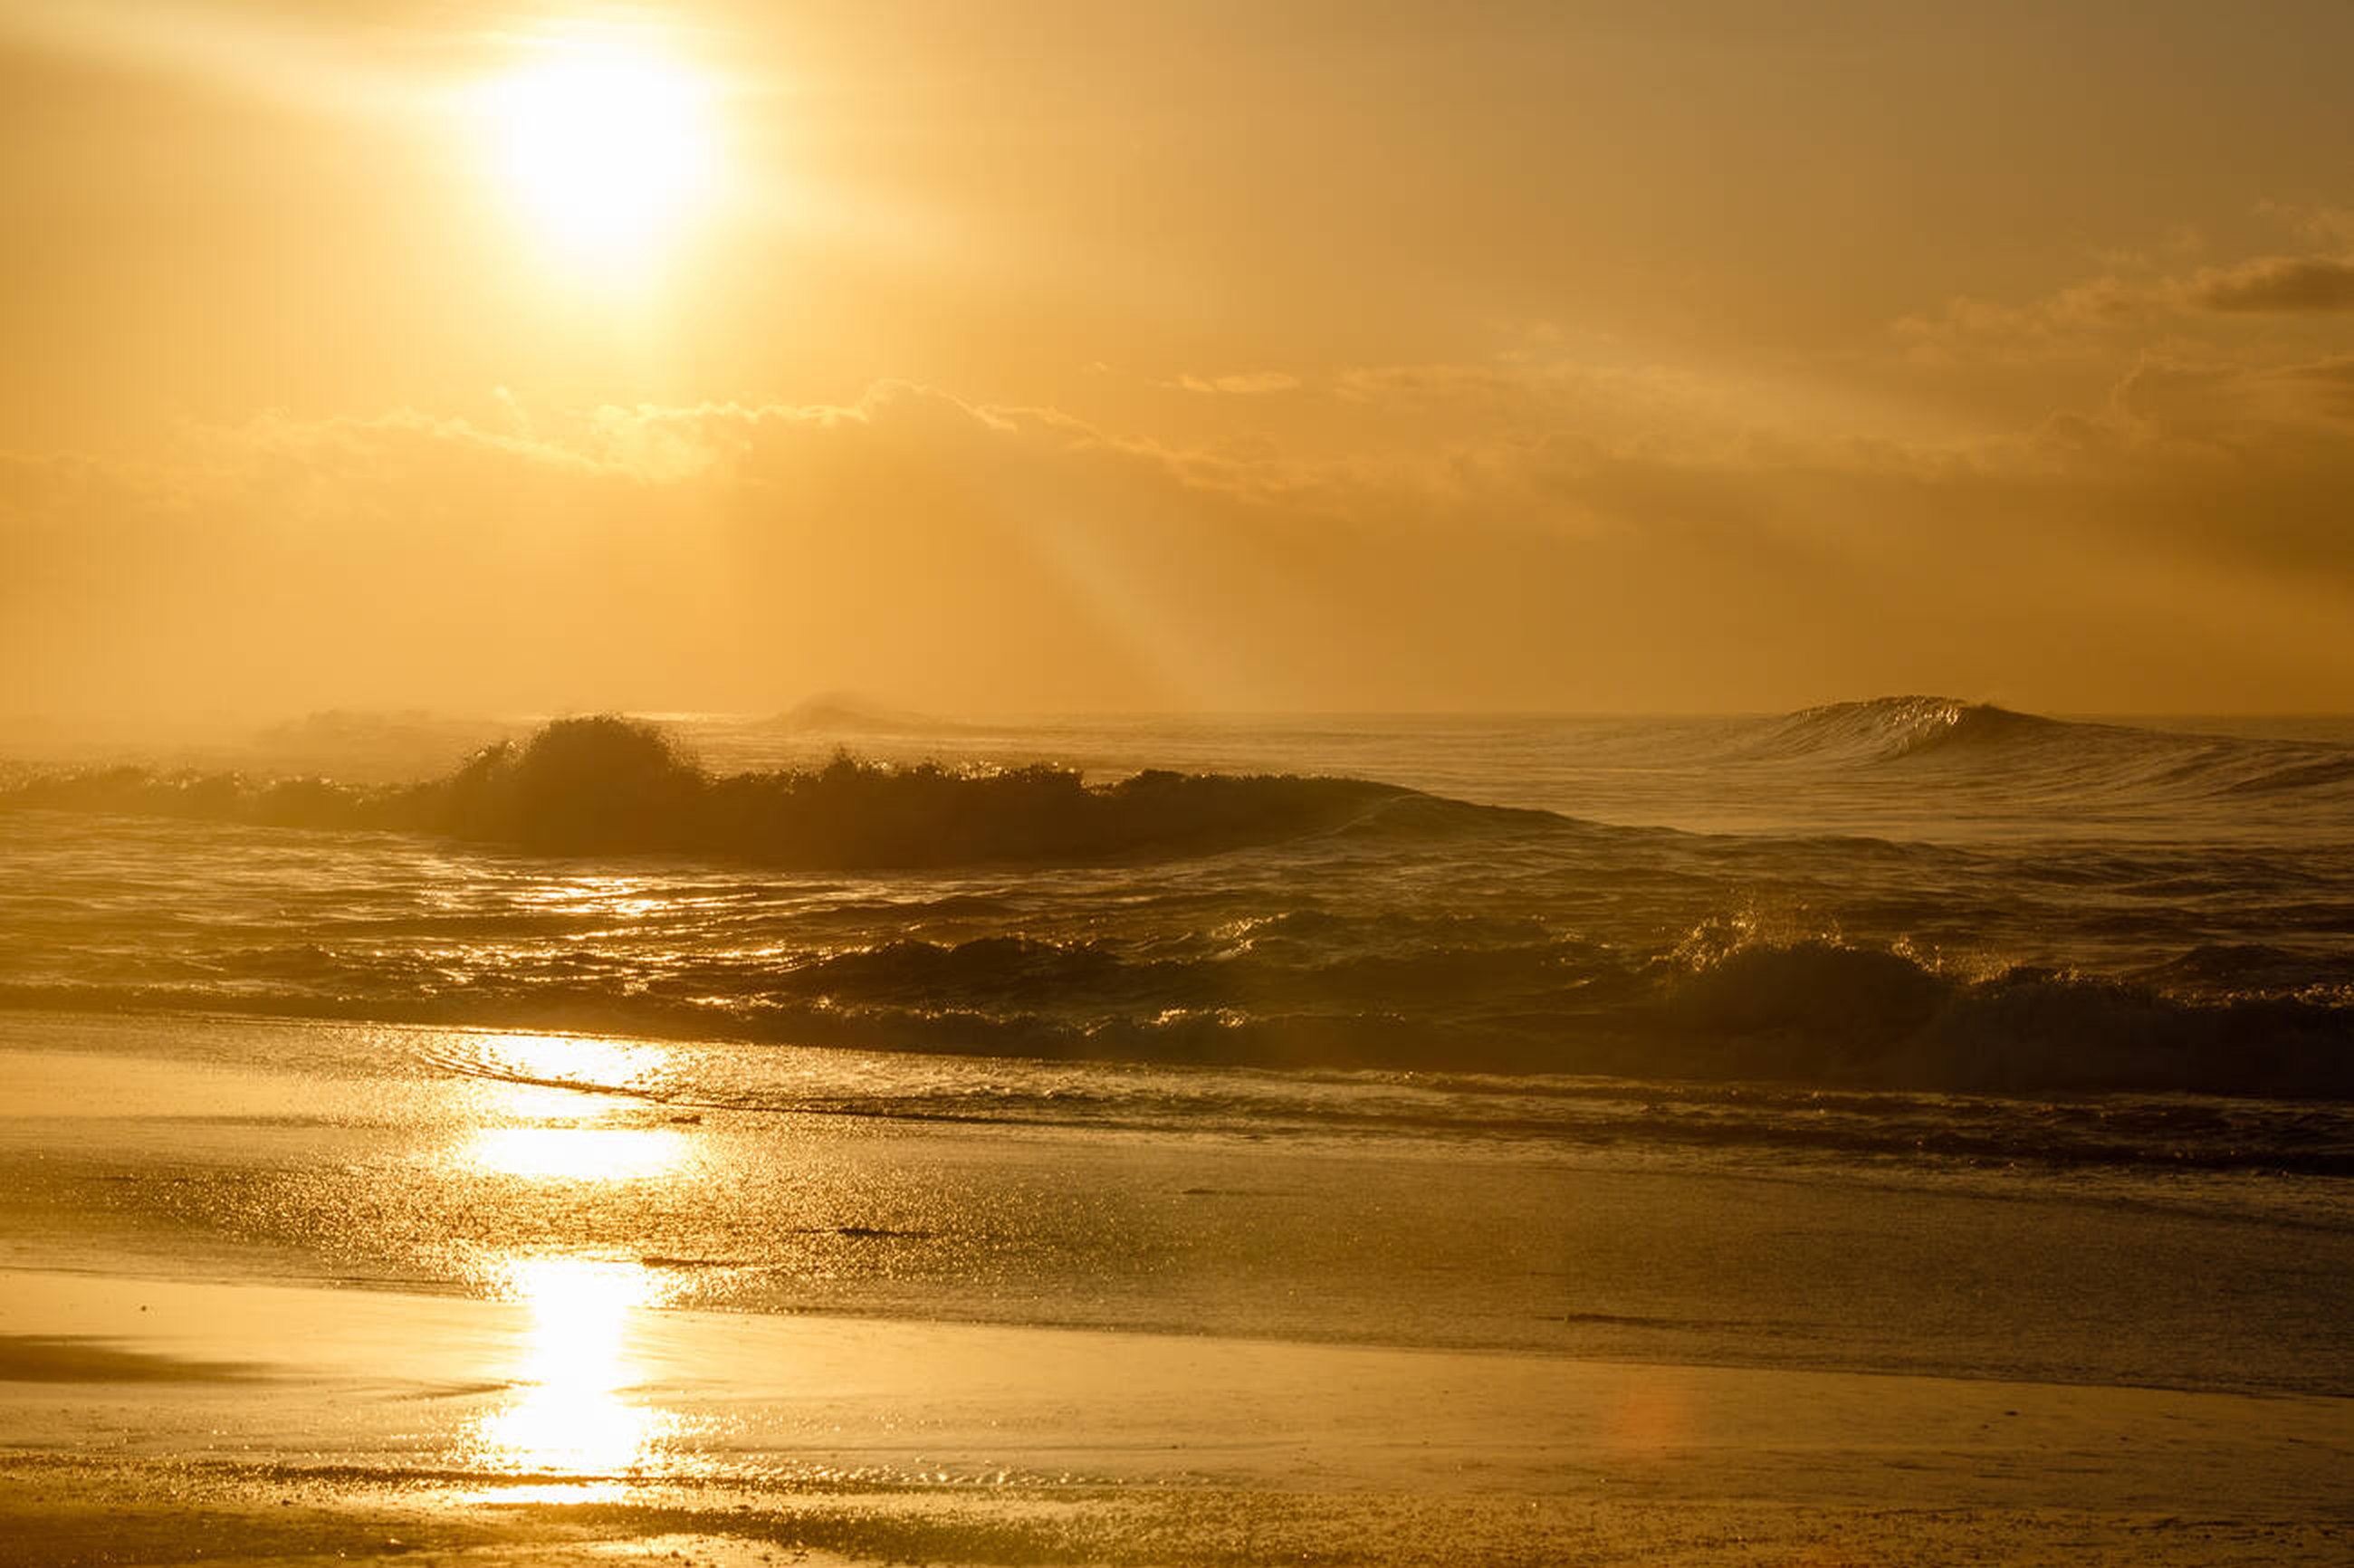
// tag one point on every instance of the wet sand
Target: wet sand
(192, 1378)
(294, 1421)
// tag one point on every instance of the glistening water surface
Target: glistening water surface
(353, 1153)
(1900, 1034)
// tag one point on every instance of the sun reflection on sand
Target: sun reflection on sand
(573, 1413)
(577, 1406)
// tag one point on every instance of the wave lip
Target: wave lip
(1887, 729)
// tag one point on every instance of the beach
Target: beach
(598, 1357)
(1176, 784)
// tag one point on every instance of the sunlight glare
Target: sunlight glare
(609, 149)
(578, 1153)
(572, 1417)
(582, 1062)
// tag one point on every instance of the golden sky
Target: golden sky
(1567, 356)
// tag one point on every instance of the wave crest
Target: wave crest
(608, 785)
(1886, 728)
(2045, 758)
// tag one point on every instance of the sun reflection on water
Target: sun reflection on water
(573, 1413)
(578, 1153)
(630, 1067)
(545, 1119)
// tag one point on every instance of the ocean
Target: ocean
(1900, 1035)
(1883, 922)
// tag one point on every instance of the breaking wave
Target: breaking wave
(608, 785)
(1476, 1000)
(1885, 729)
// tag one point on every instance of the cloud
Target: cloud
(2181, 547)
(2264, 405)
(739, 556)
(2094, 316)
(223, 46)
(2071, 321)
(2321, 224)
(2329, 383)
(2276, 283)
(1249, 384)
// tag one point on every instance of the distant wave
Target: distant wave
(1981, 741)
(831, 713)
(1886, 728)
(607, 785)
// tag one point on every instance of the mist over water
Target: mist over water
(1909, 896)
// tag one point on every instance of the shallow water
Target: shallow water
(225, 1148)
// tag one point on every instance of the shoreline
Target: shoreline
(568, 1423)
(326, 1297)
(326, 1151)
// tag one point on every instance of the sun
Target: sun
(607, 151)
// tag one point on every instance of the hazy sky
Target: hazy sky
(1567, 356)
